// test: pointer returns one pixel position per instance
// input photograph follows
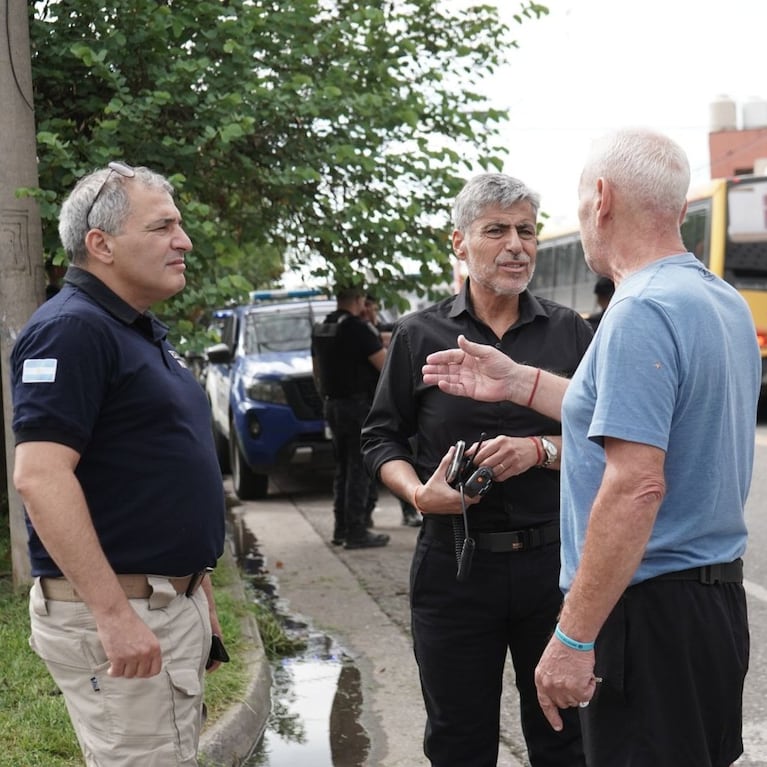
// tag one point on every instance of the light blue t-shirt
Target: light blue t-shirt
(674, 364)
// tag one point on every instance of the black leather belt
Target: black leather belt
(357, 397)
(725, 572)
(506, 541)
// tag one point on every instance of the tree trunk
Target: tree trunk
(21, 259)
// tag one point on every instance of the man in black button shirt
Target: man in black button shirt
(510, 599)
(347, 357)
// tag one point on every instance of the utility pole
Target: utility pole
(21, 257)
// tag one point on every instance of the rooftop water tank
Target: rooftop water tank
(755, 114)
(722, 114)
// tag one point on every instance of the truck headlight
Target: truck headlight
(266, 391)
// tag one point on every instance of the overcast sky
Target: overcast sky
(593, 65)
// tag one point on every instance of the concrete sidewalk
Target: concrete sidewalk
(359, 598)
(318, 586)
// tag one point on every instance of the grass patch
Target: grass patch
(277, 644)
(34, 725)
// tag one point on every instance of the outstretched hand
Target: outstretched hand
(473, 370)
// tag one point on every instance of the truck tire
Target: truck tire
(248, 485)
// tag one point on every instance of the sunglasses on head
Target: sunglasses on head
(114, 167)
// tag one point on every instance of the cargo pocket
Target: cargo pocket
(151, 721)
(187, 709)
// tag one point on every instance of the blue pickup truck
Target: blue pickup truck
(266, 412)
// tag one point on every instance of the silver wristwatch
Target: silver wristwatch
(551, 451)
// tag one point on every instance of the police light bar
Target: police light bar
(272, 295)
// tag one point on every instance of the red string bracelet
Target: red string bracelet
(538, 450)
(535, 387)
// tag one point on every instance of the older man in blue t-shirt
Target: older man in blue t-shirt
(659, 422)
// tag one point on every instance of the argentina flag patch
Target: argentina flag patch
(39, 371)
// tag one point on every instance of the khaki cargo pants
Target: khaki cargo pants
(152, 722)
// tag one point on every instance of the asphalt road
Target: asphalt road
(360, 598)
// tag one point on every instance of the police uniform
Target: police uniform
(342, 345)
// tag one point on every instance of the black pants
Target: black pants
(462, 633)
(351, 483)
(673, 657)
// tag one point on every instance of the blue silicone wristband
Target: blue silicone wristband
(572, 643)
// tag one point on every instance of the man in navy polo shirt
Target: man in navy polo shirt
(117, 470)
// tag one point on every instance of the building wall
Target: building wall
(735, 152)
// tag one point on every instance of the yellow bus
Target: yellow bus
(725, 227)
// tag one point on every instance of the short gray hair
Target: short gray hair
(110, 210)
(490, 190)
(652, 169)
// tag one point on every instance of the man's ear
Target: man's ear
(603, 201)
(459, 248)
(99, 246)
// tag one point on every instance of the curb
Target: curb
(229, 740)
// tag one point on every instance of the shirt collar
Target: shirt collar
(529, 306)
(92, 286)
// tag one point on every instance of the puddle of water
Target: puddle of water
(316, 695)
(314, 720)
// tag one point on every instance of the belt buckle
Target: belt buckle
(518, 546)
(711, 574)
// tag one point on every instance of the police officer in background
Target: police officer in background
(347, 358)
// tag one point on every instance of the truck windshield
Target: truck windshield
(277, 333)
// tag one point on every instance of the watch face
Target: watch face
(551, 450)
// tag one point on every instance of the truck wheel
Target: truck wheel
(247, 485)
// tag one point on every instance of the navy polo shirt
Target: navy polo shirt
(90, 372)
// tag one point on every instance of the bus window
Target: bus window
(746, 259)
(561, 273)
(696, 230)
(584, 282)
(564, 277)
(545, 269)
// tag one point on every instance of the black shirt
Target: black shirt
(546, 335)
(90, 372)
(342, 345)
